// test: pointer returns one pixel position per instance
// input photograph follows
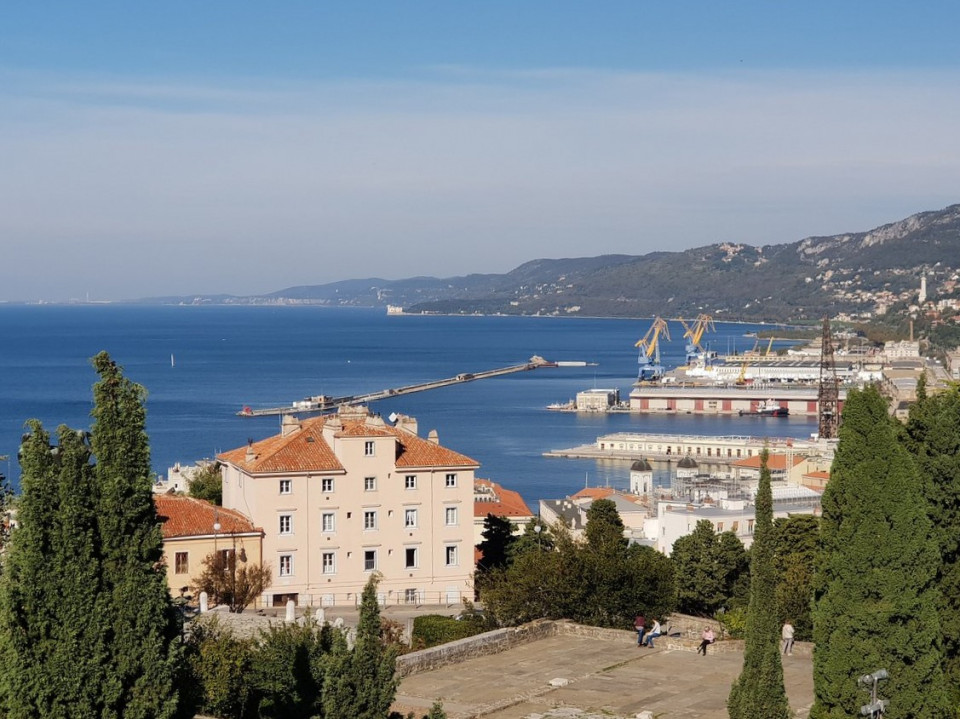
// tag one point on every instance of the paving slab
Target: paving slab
(604, 677)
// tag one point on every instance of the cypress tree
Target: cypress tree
(933, 437)
(759, 693)
(85, 614)
(360, 683)
(874, 590)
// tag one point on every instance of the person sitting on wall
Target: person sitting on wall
(653, 634)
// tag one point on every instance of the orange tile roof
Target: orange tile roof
(818, 475)
(775, 462)
(188, 517)
(508, 502)
(306, 450)
(593, 493)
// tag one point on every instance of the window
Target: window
(326, 484)
(286, 565)
(749, 526)
(410, 481)
(329, 563)
(328, 522)
(369, 560)
(369, 484)
(410, 596)
(409, 518)
(368, 448)
(181, 563)
(735, 528)
(369, 520)
(286, 524)
(451, 480)
(719, 526)
(451, 555)
(286, 486)
(451, 516)
(410, 558)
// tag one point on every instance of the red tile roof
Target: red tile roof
(776, 462)
(188, 517)
(819, 474)
(508, 503)
(305, 449)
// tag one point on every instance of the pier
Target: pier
(323, 403)
(629, 446)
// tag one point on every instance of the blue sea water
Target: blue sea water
(227, 357)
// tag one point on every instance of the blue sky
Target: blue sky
(177, 148)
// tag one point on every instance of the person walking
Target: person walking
(640, 625)
(706, 639)
(653, 634)
(786, 634)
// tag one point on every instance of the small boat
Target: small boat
(767, 408)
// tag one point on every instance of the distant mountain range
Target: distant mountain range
(842, 274)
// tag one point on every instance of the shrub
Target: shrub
(433, 629)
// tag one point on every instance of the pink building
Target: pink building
(342, 496)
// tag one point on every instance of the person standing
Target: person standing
(640, 625)
(653, 634)
(706, 639)
(787, 635)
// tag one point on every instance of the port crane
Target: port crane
(649, 351)
(694, 333)
(325, 403)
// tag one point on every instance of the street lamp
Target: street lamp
(537, 528)
(876, 707)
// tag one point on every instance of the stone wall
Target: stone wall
(494, 642)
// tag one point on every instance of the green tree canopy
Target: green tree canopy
(497, 541)
(875, 586)
(710, 569)
(87, 625)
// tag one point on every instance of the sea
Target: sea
(202, 364)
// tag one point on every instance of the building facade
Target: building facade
(193, 529)
(343, 496)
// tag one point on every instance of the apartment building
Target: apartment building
(343, 496)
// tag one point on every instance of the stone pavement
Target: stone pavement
(605, 678)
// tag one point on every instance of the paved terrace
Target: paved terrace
(608, 677)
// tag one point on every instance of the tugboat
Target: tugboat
(767, 408)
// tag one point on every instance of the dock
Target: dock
(630, 446)
(324, 403)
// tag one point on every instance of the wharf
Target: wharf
(725, 400)
(629, 446)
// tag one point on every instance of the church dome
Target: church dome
(641, 465)
(687, 462)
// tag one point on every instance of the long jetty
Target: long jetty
(324, 403)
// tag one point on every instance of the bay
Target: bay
(226, 357)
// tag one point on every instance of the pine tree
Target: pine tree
(86, 619)
(708, 569)
(361, 683)
(759, 692)
(874, 590)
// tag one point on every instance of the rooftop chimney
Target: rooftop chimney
(433, 436)
(289, 425)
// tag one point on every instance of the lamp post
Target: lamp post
(537, 528)
(876, 707)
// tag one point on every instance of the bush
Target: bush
(734, 622)
(433, 629)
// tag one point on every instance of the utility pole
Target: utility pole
(828, 397)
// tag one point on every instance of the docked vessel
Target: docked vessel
(767, 408)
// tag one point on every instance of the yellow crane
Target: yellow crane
(694, 333)
(649, 355)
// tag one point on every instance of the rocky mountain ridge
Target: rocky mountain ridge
(854, 274)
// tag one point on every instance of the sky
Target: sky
(182, 148)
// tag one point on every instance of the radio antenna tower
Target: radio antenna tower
(828, 398)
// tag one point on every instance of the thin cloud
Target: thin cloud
(246, 186)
